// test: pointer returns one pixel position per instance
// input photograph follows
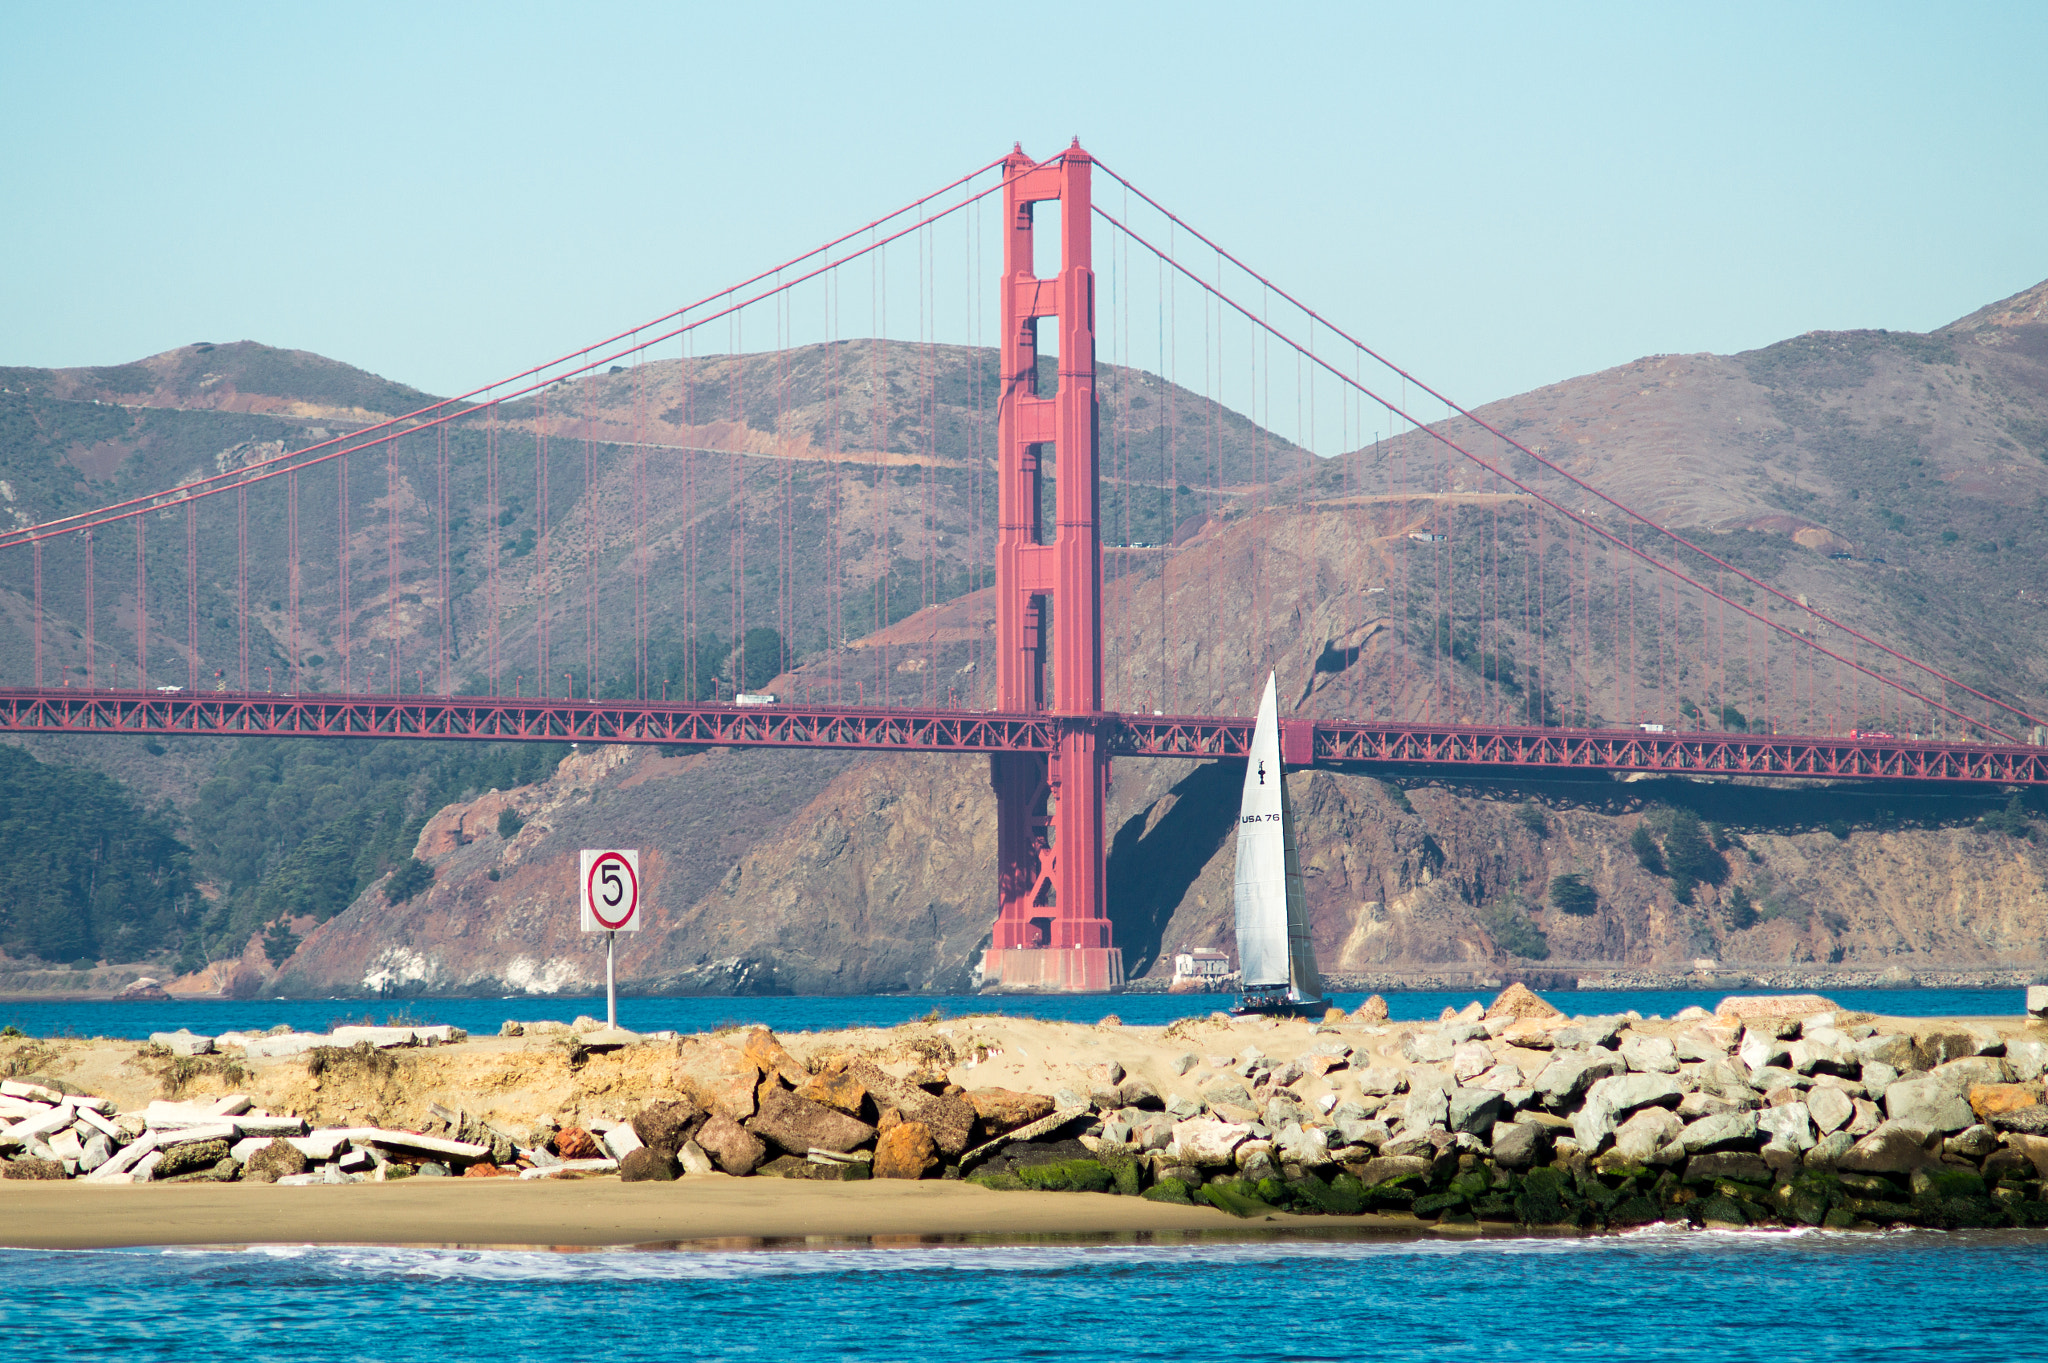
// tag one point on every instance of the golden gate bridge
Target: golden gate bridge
(1554, 572)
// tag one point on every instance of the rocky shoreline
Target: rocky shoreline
(1772, 1110)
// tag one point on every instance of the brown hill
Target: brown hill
(872, 875)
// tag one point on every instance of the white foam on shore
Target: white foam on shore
(686, 1264)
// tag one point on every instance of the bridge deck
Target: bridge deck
(1304, 742)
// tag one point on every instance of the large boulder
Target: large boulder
(665, 1126)
(1601, 1032)
(1892, 1048)
(1830, 1108)
(1517, 1145)
(950, 1119)
(30, 1167)
(1894, 1148)
(1386, 1167)
(1615, 1097)
(1429, 1104)
(1647, 1135)
(1772, 1007)
(731, 1146)
(1374, 1009)
(1209, 1143)
(1304, 1145)
(1475, 1110)
(799, 1125)
(1571, 1072)
(182, 1042)
(905, 1150)
(1470, 1060)
(1382, 1081)
(279, 1159)
(647, 1165)
(1727, 1131)
(1650, 1054)
(1786, 1126)
(190, 1157)
(1986, 1100)
(1929, 1103)
(1961, 1075)
(765, 1053)
(1429, 1048)
(1760, 1050)
(1811, 1055)
(1519, 1001)
(1001, 1110)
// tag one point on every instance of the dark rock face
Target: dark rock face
(665, 1126)
(647, 1165)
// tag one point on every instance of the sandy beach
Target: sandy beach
(589, 1213)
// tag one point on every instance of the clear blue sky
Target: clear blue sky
(1498, 196)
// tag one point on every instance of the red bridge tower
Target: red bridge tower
(1052, 930)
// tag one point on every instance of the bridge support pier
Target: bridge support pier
(1052, 926)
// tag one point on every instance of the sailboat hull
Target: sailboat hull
(1253, 1004)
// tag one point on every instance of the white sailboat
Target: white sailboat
(1275, 956)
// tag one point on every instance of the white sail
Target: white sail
(1273, 947)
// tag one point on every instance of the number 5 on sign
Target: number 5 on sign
(611, 891)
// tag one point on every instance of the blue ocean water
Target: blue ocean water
(1655, 1294)
(831, 1012)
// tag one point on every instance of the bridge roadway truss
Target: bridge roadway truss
(1304, 742)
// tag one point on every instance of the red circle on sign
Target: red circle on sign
(597, 905)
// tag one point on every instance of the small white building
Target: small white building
(1204, 964)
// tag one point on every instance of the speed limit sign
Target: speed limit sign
(611, 891)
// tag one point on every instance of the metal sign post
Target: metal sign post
(611, 905)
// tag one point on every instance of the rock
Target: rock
(1571, 1072)
(1938, 1048)
(1470, 1060)
(665, 1126)
(1374, 1009)
(1649, 1054)
(1894, 1148)
(1520, 1001)
(1428, 1048)
(1961, 1075)
(510, 1028)
(1893, 1048)
(906, 1150)
(1735, 1164)
(2037, 1000)
(768, 1055)
(1386, 1167)
(190, 1157)
(1877, 1077)
(1927, 1103)
(279, 1159)
(1382, 1081)
(1281, 1109)
(1475, 1110)
(2029, 1121)
(1972, 1142)
(731, 1146)
(1001, 1110)
(1810, 1056)
(1140, 1094)
(97, 1151)
(1988, 1099)
(573, 1142)
(1517, 1145)
(1829, 1149)
(1615, 1097)
(1728, 1131)
(837, 1089)
(1207, 1142)
(1639, 1139)
(618, 1140)
(647, 1165)
(1601, 1032)
(1772, 1007)
(693, 1159)
(32, 1168)
(2028, 1058)
(1427, 1106)
(182, 1042)
(1787, 1126)
(1759, 1050)
(1303, 1145)
(1866, 1118)
(1360, 1131)
(800, 1126)
(1830, 1109)
(147, 989)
